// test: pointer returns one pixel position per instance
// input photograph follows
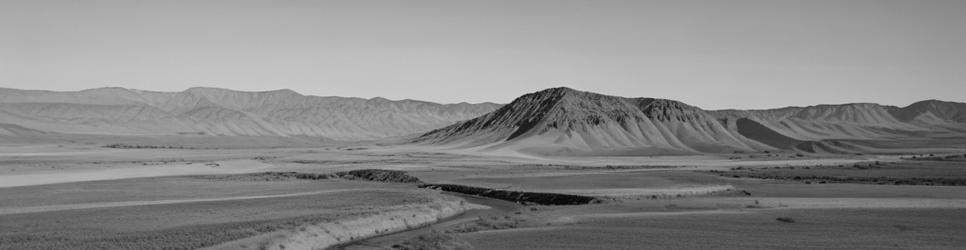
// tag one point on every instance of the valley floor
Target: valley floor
(82, 196)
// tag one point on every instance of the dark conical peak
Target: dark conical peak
(573, 100)
(558, 90)
(554, 108)
(551, 93)
(556, 98)
(565, 93)
(566, 109)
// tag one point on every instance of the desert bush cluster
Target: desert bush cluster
(488, 223)
(138, 146)
(933, 157)
(378, 175)
(809, 179)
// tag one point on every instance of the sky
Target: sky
(713, 54)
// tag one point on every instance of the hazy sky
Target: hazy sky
(713, 54)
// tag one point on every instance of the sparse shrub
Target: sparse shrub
(379, 175)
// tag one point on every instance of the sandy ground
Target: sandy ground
(131, 171)
(132, 221)
(37, 209)
(493, 208)
(657, 202)
(811, 229)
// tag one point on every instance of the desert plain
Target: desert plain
(86, 196)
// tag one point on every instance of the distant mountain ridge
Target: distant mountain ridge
(930, 110)
(213, 111)
(552, 121)
(567, 121)
(856, 120)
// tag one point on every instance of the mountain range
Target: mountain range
(556, 121)
(213, 111)
(563, 121)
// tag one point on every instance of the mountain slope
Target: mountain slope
(212, 111)
(563, 121)
(567, 121)
(809, 128)
(932, 111)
